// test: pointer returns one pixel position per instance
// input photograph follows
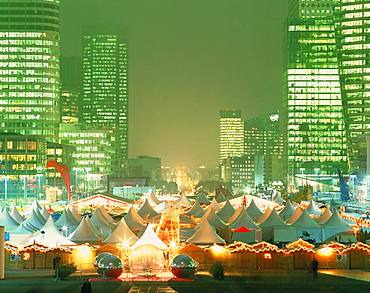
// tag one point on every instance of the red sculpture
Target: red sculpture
(64, 172)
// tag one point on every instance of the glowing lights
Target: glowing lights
(218, 250)
(325, 251)
(26, 256)
(267, 256)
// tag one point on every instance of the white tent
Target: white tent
(122, 234)
(49, 236)
(295, 216)
(146, 211)
(213, 219)
(287, 211)
(101, 218)
(274, 228)
(313, 208)
(7, 221)
(306, 228)
(205, 235)
(33, 223)
(253, 211)
(201, 197)
(278, 199)
(153, 200)
(183, 201)
(220, 197)
(44, 212)
(325, 216)
(226, 212)
(68, 220)
(265, 215)
(85, 232)
(335, 226)
(245, 221)
(149, 238)
(196, 210)
(134, 221)
(236, 214)
(16, 215)
(214, 205)
(36, 205)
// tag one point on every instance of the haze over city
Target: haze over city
(187, 60)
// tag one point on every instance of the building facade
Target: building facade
(315, 134)
(29, 67)
(231, 136)
(105, 91)
(69, 106)
(145, 166)
(352, 30)
(22, 166)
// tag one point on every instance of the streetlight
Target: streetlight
(6, 187)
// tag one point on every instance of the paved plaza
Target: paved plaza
(245, 281)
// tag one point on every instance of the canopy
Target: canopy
(67, 219)
(313, 208)
(122, 234)
(307, 228)
(33, 223)
(325, 216)
(153, 200)
(183, 201)
(226, 212)
(196, 210)
(220, 197)
(305, 221)
(49, 236)
(85, 232)
(16, 215)
(149, 238)
(101, 218)
(335, 225)
(265, 215)
(146, 211)
(278, 199)
(36, 205)
(244, 220)
(295, 216)
(287, 211)
(107, 200)
(273, 220)
(253, 211)
(205, 235)
(214, 205)
(8, 221)
(133, 220)
(202, 198)
(45, 213)
(236, 214)
(213, 219)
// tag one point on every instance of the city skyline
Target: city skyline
(229, 74)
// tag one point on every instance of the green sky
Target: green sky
(187, 60)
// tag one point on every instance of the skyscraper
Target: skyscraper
(105, 90)
(353, 28)
(29, 67)
(231, 127)
(314, 122)
(69, 106)
(231, 135)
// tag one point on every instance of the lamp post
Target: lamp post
(6, 188)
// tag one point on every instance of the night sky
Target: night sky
(188, 59)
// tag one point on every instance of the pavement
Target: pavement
(41, 281)
(351, 274)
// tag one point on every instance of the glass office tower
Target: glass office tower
(29, 67)
(315, 132)
(105, 90)
(353, 30)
